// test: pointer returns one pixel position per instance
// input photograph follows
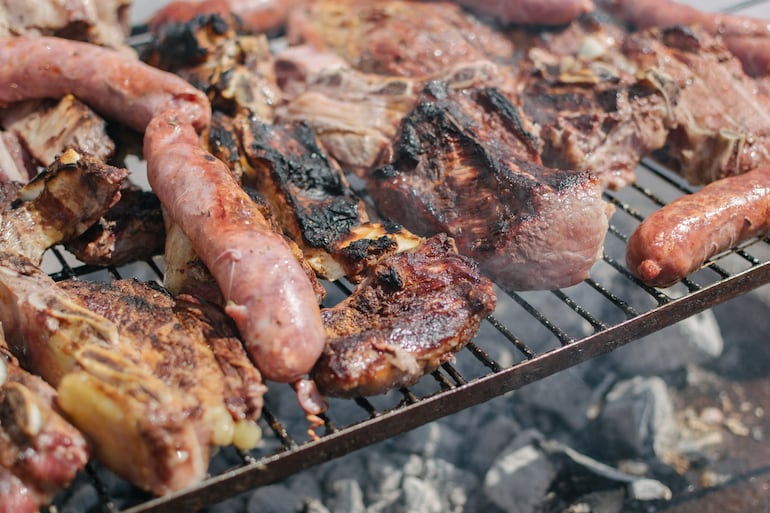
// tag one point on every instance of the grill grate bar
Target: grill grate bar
(517, 343)
(280, 431)
(563, 337)
(585, 314)
(367, 406)
(615, 300)
(454, 374)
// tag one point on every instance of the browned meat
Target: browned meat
(131, 230)
(677, 239)
(410, 315)
(534, 12)
(467, 165)
(47, 127)
(59, 204)
(235, 71)
(722, 117)
(104, 22)
(356, 115)
(15, 162)
(243, 383)
(591, 113)
(266, 291)
(313, 201)
(747, 38)
(104, 385)
(256, 16)
(394, 37)
(40, 452)
(174, 343)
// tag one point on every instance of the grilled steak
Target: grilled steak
(467, 165)
(722, 121)
(356, 115)
(411, 314)
(255, 16)
(40, 452)
(175, 344)
(131, 230)
(47, 127)
(235, 71)
(59, 204)
(590, 112)
(313, 201)
(411, 39)
(105, 385)
(747, 38)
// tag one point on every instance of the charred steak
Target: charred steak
(466, 165)
(411, 314)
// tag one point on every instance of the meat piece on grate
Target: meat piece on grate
(408, 39)
(590, 112)
(747, 38)
(180, 344)
(47, 127)
(414, 310)
(313, 201)
(104, 22)
(59, 204)
(356, 115)
(722, 116)
(235, 71)
(130, 231)
(467, 165)
(40, 452)
(140, 427)
(255, 16)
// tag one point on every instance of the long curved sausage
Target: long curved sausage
(677, 239)
(268, 296)
(747, 38)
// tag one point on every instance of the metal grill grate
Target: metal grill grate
(531, 335)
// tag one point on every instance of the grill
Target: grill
(530, 336)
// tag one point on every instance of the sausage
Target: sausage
(257, 16)
(533, 12)
(266, 291)
(269, 302)
(115, 84)
(746, 37)
(678, 238)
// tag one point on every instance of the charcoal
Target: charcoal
(637, 420)
(347, 497)
(519, 478)
(273, 499)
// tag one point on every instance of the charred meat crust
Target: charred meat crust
(314, 201)
(466, 166)
(411, 314)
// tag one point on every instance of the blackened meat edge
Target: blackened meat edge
(467, 165)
